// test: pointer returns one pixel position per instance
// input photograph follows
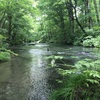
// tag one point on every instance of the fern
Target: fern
(82, 82)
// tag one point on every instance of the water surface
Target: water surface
(28, 76)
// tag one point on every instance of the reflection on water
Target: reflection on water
(27, 78)
(40, 87)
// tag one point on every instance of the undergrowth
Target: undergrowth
(81, 82)
(4, 56)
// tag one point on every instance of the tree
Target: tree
(96, 11)
(15, 19)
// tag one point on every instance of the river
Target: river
(28, 76)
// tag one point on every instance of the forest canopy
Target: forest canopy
(74, 22)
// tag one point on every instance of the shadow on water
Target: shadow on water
(28, 77)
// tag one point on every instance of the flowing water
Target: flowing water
(28, 77)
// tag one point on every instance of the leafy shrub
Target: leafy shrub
(4, 56)
(90, 31)
(1, 40)
(90, 41)
(82, 82)
(78, 41)
(93, 37)
(97, 41)
(96, 30)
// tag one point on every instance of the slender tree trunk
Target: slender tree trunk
(2, 19)
(88, 19)
(83, 14)
(78, 22)
(3, 23)
(63, 27)
(86, 12)
(9, 27)
(75, 12)
(96, 11)
(76, 18)
(62, 23)
(90, 24)
(71, 16)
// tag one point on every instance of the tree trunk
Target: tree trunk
(2, 19)
(3, 23)
(62, 23)
(96, 11)
(9, 27)
(76, 18)
(71, 16)
(87, 14)
(78, 22)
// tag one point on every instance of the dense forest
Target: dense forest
(67, 22)
(61, 21)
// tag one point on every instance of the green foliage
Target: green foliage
(16, 20)
(78, 40)
(4, 56)
(82, 82)
(93, 37)
(1, 37)
(94, 31)
(97, 42)
(59, 21)
(90, 41)
(90, 31)
(2, 41)
(52, 21)
(4, 53)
